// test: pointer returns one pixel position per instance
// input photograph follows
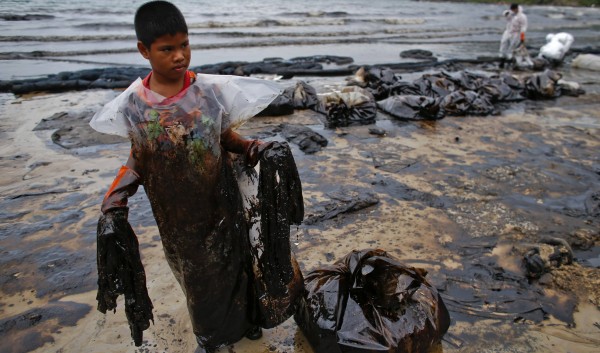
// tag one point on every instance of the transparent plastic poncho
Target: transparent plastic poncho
(228, 101)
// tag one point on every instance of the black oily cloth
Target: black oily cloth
(368, 302)
(278, 280)
(199, 213)
(120, 271)
(281, 204)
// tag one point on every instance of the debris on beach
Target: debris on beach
(550, 253)
(370, 302)
(342, 201)
(351, 106)
(307, 139)
(411, 107)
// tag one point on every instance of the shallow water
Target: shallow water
(75, 35)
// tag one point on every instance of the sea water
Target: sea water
(40, 37)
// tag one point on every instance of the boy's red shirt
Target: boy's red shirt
(189, 78)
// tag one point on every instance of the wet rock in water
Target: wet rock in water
(308, 140)
(418, 54)
(352, 106)
(412, 107)
(370, 302)
(342, 201)
(549, 254)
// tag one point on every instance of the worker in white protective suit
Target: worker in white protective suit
(514, 34)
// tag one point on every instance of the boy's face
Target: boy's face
(169, 56)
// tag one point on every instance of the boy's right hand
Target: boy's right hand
(255, 152)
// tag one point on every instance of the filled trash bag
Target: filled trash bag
(466, 103)
(412, 107)
(369, 302)
(378, 81)
(587, 61)
(436, 85)
(273, 201)
(304, 96)
(542, 85)
(556, 47)
(120, 271)
(352, 106)
(504, 88)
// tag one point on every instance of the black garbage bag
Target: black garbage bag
(352, 106)
(466, 103)
(369, 302)
(497, 90)
(304, 96)
(282, 105)
(436, 85)
(378, 81)
(120, 271)
(542, 85)
(404, 88)
(412, 107)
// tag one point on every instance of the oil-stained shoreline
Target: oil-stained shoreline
(459, 197)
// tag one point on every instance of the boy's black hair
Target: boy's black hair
(157, 18)
(514, 6)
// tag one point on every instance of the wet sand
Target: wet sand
(459, 197)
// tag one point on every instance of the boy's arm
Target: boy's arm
(124, 186)
(251, 149)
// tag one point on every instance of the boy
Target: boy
(180, 125)
(514, 34)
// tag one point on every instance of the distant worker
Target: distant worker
(514, 34)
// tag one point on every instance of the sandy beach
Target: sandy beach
(458, 197)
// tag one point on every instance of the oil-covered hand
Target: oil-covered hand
(120, 271)
(255, 151)
(522, 37)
